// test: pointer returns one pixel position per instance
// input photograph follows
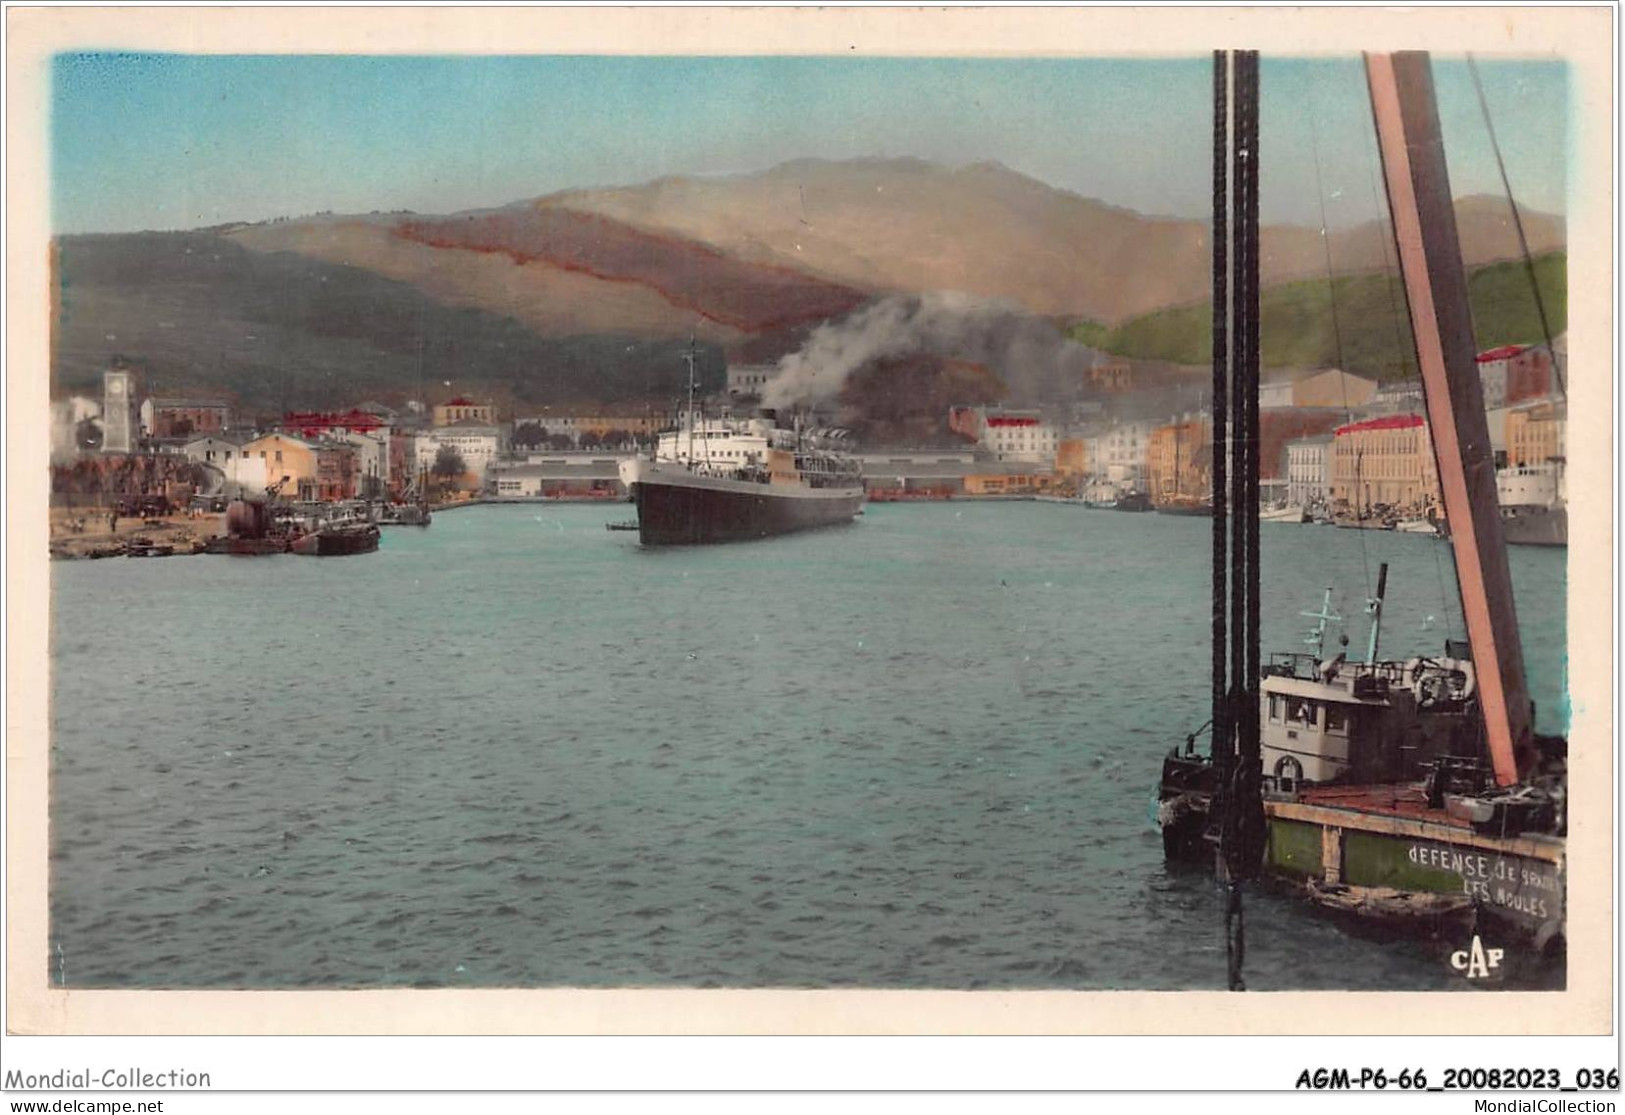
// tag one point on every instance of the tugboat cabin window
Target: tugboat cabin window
(1337, 719)
(1300, 711)
(1275, 708)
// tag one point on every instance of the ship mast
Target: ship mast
(1424, 220)
(688, 357)
(1235, 538)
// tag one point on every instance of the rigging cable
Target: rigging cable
(1249, 765)
(1517, 223)
(1405, 344)
(1385, 235)
(1337, 337)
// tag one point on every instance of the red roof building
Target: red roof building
(312, 424)
(1384, 462)
(1386, 422)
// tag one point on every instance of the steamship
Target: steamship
(1533, 509)
(728, 480)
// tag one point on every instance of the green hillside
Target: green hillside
(196, 312)
(1296, 327)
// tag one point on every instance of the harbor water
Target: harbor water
(518, 750)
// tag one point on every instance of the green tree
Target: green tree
(448, 466)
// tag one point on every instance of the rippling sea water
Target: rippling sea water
(516, 749)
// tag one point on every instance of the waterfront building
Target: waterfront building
(1278, 427)
(1328, 387)
(588, 430)
(216, 448)
(1308, 471)
(181, 418)
(1119, 453)
(289, 462)
(477, 443)
(1071, 458)
(311, 425)
(462, 409)
(1519, 373)
(549, 424)
(1492, 380)
(900, 474)
(748, 380)
(1275, 393)
(68, 430)
(615, 431)
(1400, 397)
(118, 414)
(1112, 376)
(522, 481)
(402, 456)
(372, 475)
(1003, 484)
(365, 434)
(1536, 433)
(966, 422)
(1179, 461)
(1497, 421)
(1387, 461)
(336, 472)
(227, 453)
(560, 474)
(1333, 388)
(1019, 435)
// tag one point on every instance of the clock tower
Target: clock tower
(118, 390)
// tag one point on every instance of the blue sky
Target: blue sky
(151, 141)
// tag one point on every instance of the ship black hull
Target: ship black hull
(337, 543)
(1535, 525)
(684, 515)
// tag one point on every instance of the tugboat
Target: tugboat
(252, 529)
(403, 515)
(717, 480)
(338, 533)
(411, 511)
(1283, 513)
(1378, 796)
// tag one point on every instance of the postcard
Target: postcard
(803, 553)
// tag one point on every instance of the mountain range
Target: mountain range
(586, 297)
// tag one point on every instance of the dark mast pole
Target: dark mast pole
(1247, 371)
(1235, 460)
(1424, 219)
(1223, 741)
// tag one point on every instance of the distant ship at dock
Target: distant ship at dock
(1534, 511)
